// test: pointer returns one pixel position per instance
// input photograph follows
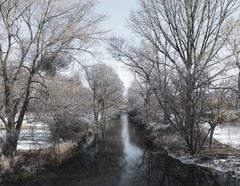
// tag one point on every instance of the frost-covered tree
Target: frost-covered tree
(68, 109)
(107, 90)
(37, 38)
(187, 39)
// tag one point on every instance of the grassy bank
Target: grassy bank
(28, 163)
(220, 157)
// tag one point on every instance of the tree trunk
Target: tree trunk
(10, 146)
(189, 126)
(211, 135)
(12, 133)
(95, 108)
(165, 118)
(238, 92)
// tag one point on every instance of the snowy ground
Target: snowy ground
(228, 134)
(34, 138)
(34, 135)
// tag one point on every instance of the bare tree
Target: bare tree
(139, 63)
(233, 48)
(36, 38)
(187, 38)
(68, 110)
(107, 90)
(135, 101)
(217, 109)
(141, 105)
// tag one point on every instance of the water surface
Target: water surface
(121, 160)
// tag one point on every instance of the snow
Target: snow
(229, 165)
(34, 135)
(34, 139)
(228, 134)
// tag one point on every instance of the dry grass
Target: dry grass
(219, 150)
(27, 163)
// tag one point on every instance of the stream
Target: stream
(121, 160)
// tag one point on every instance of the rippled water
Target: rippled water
(132, 154)
(121, 160)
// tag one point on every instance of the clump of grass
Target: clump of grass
(27, 163)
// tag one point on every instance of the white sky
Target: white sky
(117, 12)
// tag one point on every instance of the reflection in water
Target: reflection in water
(132, 155)
(161, 169)
(121, 161)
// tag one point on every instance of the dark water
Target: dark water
(121, 160)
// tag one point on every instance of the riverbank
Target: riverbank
(121, 158)
(28, 163)
(116, 160)
(222, 158)
(38, 149)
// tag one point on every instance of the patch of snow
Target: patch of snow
(228, 134)
(33, 139)
(35, 124)
(230, 165)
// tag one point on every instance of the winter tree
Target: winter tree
(107, 90)
(37, 38)
(68, 109)
(187, 39)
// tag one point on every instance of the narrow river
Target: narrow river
(121, 160)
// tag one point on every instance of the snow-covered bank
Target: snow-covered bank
(28, 163)
(227, 165)
(34, 138)
(227, 162)
(33, 135)
(228, 134)
(222, 159)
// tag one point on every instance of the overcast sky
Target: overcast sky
(117, 12)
